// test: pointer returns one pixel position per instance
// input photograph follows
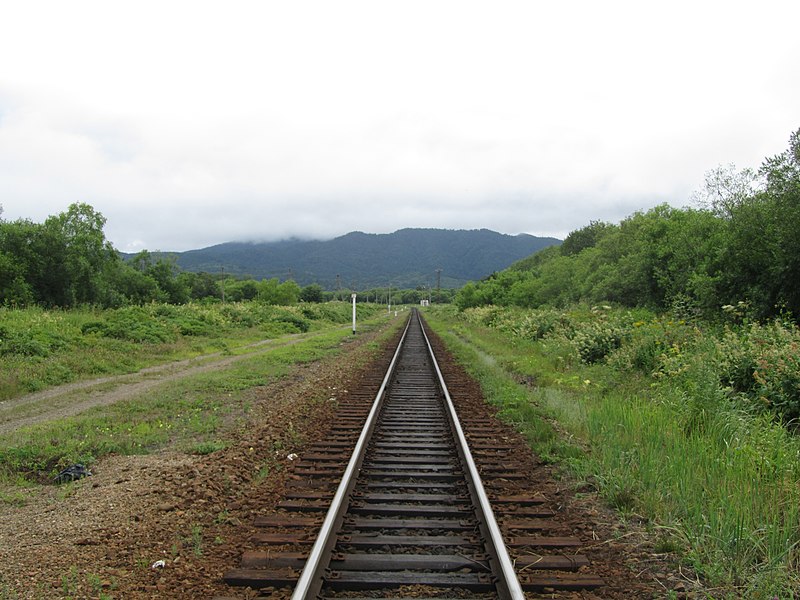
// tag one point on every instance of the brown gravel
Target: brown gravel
(100, 537)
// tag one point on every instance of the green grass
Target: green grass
(191, 414)
(44, 348)
(717, 481)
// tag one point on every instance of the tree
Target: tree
(165, 273)
(585, 237)
(270, 291)
(200, 285)
(725, 188)
(311, 293)
(760, 262)
(76, 254)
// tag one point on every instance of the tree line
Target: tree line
(738, 247)
(66, 261)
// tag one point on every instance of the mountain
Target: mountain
(406, 258)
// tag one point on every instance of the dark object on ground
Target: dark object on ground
(73, 473)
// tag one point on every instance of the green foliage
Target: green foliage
(299, 323)
(190, 413)
(133, 324)
(743, 245)
(38, 335)
(586, 237)
(41, 348)
(596, 341)
(755, 365)
(665, 436)
(271, 291)
(57, 263)
(311, 293)
(66, 261)
(761, 365)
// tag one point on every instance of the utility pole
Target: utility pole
(354, 313)
(438, 282)
(338, 285)
(222, 282)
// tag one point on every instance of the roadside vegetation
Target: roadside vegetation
(741, 244)
(41, 348)
(672, 422)
(659, 361)
(191, 414)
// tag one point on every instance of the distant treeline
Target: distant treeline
(67, 261)
(740, 248)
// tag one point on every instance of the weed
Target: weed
(94, 581)
(682, 446)
(6, 591)
(14, 497)
(224, 517)
(208, 447)
(69, 581)
(666, 544)
(195, 540)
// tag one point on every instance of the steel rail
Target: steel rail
(495, 537)
(311, 571)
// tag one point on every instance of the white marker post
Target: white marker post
(354, 313)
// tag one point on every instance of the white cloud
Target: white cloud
(188, 124)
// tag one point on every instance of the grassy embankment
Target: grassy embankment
(42, 348)
(191, 414)
(673, 422)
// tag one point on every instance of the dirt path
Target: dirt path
(98, 538)
(168, 524)
(74, 398)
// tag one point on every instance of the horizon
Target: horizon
(302, 239)
(320, 118)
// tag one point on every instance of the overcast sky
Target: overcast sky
(194, 123)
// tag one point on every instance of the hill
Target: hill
(406, 258)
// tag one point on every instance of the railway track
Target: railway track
(405, 499)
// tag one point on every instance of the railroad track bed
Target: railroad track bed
(411, 523)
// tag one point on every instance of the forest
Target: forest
(739, 246)
(665, 348)
(67, 262)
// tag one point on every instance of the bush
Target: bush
(652, 345)
(133, 324)
(296, 321)
(595, 341)
(543, 323)
(33, 333)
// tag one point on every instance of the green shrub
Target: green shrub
(296, 321)
(760, 364)
(651, 344)
(33, 337)
(136, 325)
(595, 341)
(538, 326)
(23, 345)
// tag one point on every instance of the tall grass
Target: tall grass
(42, 348)
(188, 414)
(715, 475)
